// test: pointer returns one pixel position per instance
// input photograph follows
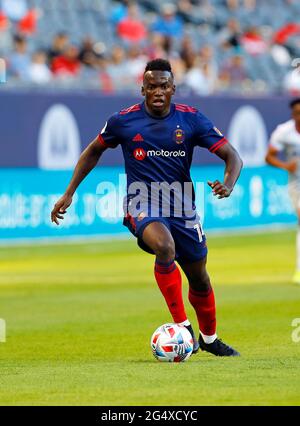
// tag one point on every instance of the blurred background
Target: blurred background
(70, 64)
(217, 46)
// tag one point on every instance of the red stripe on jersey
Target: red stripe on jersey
(131, 220)
(218, 145)
(133, 108)
(185, 108)
(103, 142)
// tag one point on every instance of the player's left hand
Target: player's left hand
(219, 189)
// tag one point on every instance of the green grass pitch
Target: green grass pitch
(79, 320)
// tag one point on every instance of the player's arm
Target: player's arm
(87, 161)
(273, 160)
(208, 136)
(233, 166)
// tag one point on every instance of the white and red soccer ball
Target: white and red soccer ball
(172, 343)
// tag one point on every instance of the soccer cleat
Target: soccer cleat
(217, 348)
(296, 277)
(196, 343)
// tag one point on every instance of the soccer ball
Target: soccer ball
(172, 343)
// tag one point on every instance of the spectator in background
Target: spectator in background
(87, 55)
(119, 12)
(253, 42)
(291, 82)
(67, 64)
(236, 4)
(5, 36)
(195, 78)
(117, 69)
(178, 68)
(158, 46)
(232, 5)
(136, 63)
(249, 5)
(188, 12)
(39, 71)
(186, 49)
(230, 36)
(19, 60)
(131, 29)
(4, 22)
(233, 74)
(280, 55)
(168, 23)
(28, 24)
(220, 22)
(209, 66)
(285, 35)
(59, 43)
(14, 9)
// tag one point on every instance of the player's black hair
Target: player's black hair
(294, 102)
(159, 65)
(18, 38)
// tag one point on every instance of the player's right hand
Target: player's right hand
(60, 208)
(292, 166)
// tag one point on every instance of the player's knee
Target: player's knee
(200, 281)
(165, 248)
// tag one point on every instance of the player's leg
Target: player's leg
(190, 243)
(201, 297)
(154, 237)
(294, 193)
(158, 238)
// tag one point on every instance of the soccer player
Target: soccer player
(286, 140)
(157, 139)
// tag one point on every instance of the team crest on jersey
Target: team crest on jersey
(179, 136)
(218, 131)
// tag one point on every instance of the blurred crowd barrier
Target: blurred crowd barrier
(49, 130)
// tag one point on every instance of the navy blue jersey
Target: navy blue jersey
(160, 149)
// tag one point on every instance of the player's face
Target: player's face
(296, 114)
(158, 89)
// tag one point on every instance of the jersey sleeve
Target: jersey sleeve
(207, 135)
(276, 139)
(108, 137)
